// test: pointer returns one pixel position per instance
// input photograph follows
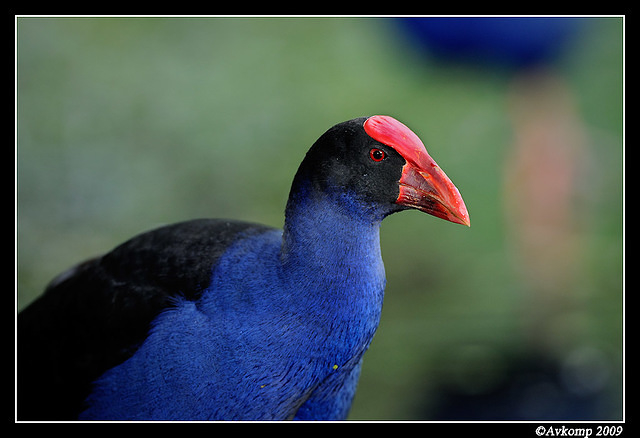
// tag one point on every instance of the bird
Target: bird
(225, 320)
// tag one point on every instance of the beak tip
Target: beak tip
(462, 219)
(456, 209)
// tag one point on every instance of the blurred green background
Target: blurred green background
(124, 124)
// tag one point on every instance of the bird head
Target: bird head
(423, 185)
(382, 164)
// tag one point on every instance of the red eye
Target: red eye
(377, 154)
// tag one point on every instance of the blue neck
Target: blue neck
(332, 251)
(334, 241)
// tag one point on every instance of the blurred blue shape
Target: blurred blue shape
(514, 42)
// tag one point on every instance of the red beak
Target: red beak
(426, 187)
(423, 185)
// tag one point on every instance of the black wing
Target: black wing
(97, 314)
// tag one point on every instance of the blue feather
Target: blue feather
(278, 334)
